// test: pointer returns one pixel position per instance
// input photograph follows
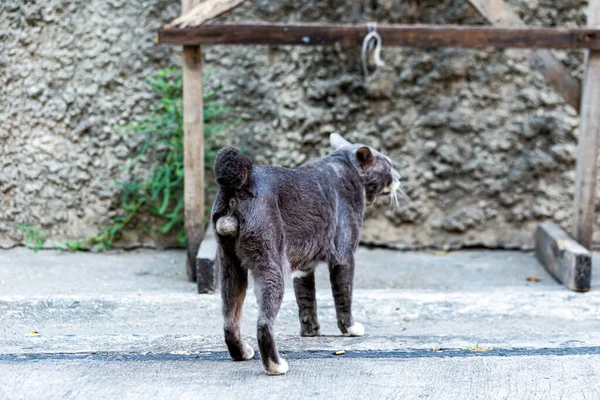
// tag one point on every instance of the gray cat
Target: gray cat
(273, 221)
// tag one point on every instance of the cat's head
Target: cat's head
(376, 169)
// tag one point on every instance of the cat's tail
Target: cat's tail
(233, 173)
(233, 170)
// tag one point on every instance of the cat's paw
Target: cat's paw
(355, 330)
(308, 330)
(248, 352)
(274, 368)
(310, 333)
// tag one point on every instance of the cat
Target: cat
(272, 221)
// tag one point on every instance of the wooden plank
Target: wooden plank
(557, 76)
(204, 12)
(589, 140)
(193, 153)
(565, 259)
(499, 13)
(205, 261)
(421, 36)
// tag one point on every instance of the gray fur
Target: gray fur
(289, 220)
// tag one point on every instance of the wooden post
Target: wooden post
(589, 140)
(499, 13)
(193, 142)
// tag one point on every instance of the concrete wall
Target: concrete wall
(486, 147)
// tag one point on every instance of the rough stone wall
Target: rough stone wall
(485, 146)
(70, 71)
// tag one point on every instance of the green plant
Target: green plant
(35, 236)
(73, 245)
(477, 348)
(160, 195)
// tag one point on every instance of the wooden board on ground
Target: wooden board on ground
(568, 261)
(589, 141)
(419, 36)
(499, 13)
(205, 262)
(204, 12)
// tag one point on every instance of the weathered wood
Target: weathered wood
(193, 152)
(204, 12)
(589, 140)
(421, 36)
(568, 261)
(499, 13)
(205, 261)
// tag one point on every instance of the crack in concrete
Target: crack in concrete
(313, 354)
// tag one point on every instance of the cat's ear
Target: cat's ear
(337, 141)
(364, 156)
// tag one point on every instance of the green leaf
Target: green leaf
(35, 237)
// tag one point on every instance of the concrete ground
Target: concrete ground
(438, 325)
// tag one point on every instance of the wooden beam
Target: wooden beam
(589, 140)
(421, 36)
(498, 13)
(565, 259)
(204, 12)
(193, 149)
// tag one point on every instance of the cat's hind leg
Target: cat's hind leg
(306, 297)
(234, 282)
(269, 288)
(341, 275)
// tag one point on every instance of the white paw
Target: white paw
(355, 330)
(248, 352)
(277, 369)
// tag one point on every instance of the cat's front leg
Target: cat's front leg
(341, 275)
(306, 297)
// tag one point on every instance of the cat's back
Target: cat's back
(280, 181)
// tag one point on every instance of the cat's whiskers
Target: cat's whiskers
(395, 189)
(393, 200)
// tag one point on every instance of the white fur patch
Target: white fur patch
(277, 369)
(299, 274)
(227, 226)
(248, 350)
(355, 330)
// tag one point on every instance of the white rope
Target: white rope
(372, 39)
